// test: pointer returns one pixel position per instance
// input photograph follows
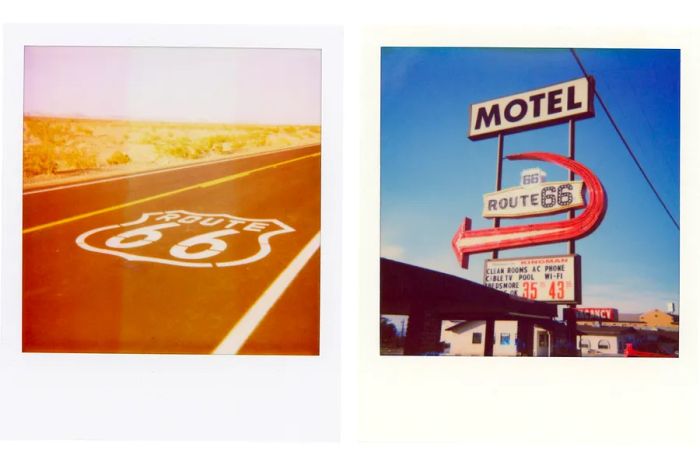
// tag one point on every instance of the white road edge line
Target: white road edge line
(243, 329)
(126, 177)
(155, 172)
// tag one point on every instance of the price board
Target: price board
(552, 279)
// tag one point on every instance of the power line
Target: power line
(624, 141)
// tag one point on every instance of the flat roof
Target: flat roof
(605, 330)
(629, 317)
(405, 288)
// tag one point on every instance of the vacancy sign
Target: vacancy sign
(534, 200)
(552, 279)
(532, 109)
(597, 314)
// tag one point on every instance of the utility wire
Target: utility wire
(624, 141)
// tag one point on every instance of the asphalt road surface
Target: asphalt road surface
(220, 257)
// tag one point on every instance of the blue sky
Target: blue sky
(432, 175)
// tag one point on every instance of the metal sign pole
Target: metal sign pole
(572, 156)
(499, 176)
(570, 316)
(490, 339)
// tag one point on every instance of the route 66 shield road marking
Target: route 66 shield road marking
(182, 238)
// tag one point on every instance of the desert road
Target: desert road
(221, 257)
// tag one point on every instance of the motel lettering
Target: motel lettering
(532, 109)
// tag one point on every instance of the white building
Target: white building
(603, 341)
(468, 338)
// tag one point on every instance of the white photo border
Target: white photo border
(194, 397)
(546, 400)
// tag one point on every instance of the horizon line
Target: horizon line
(118, 118)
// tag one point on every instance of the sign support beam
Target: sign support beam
(572, 156)
(499, 177)
(570, 313)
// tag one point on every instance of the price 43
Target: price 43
(555, 292)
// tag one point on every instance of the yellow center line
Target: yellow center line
(205, 184)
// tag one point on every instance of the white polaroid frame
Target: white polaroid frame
(548, 400)
(131, 396)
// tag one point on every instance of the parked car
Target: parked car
(650, 351)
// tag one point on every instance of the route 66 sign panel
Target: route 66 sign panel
(182, 238)
(535, 199)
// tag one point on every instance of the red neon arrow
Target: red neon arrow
(466, 242)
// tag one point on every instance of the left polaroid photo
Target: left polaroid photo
(171, 232)
(171, 200)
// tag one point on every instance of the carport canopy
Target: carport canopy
(405, 289)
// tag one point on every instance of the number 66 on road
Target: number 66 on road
(135, 243)
(151, 234)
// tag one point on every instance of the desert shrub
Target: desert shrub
(234, 142)
(84, 131)
(78, 158)
(182, 148)
(206, 144)
(39, 160)
(219, 144)
(51, 132)
(150, 138)
(118, 158)
(302, 133)
(256, 139)
(177, 150)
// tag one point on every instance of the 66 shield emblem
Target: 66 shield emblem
(182, 238)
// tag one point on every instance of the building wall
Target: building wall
(657, 318)
(505, 331)
(594, 341)
(460, 341)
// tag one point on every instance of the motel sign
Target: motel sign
(535, 277)
(571, 100)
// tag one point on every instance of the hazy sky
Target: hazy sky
(432, 175)
(269, 86)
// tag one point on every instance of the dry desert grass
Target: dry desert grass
(65, 149)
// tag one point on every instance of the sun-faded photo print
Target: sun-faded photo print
(171, 200)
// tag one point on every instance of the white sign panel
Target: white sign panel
(534, 199)
(553, 279)
(531, 176)
(532, 109)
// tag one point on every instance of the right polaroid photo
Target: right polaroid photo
(530, 202)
